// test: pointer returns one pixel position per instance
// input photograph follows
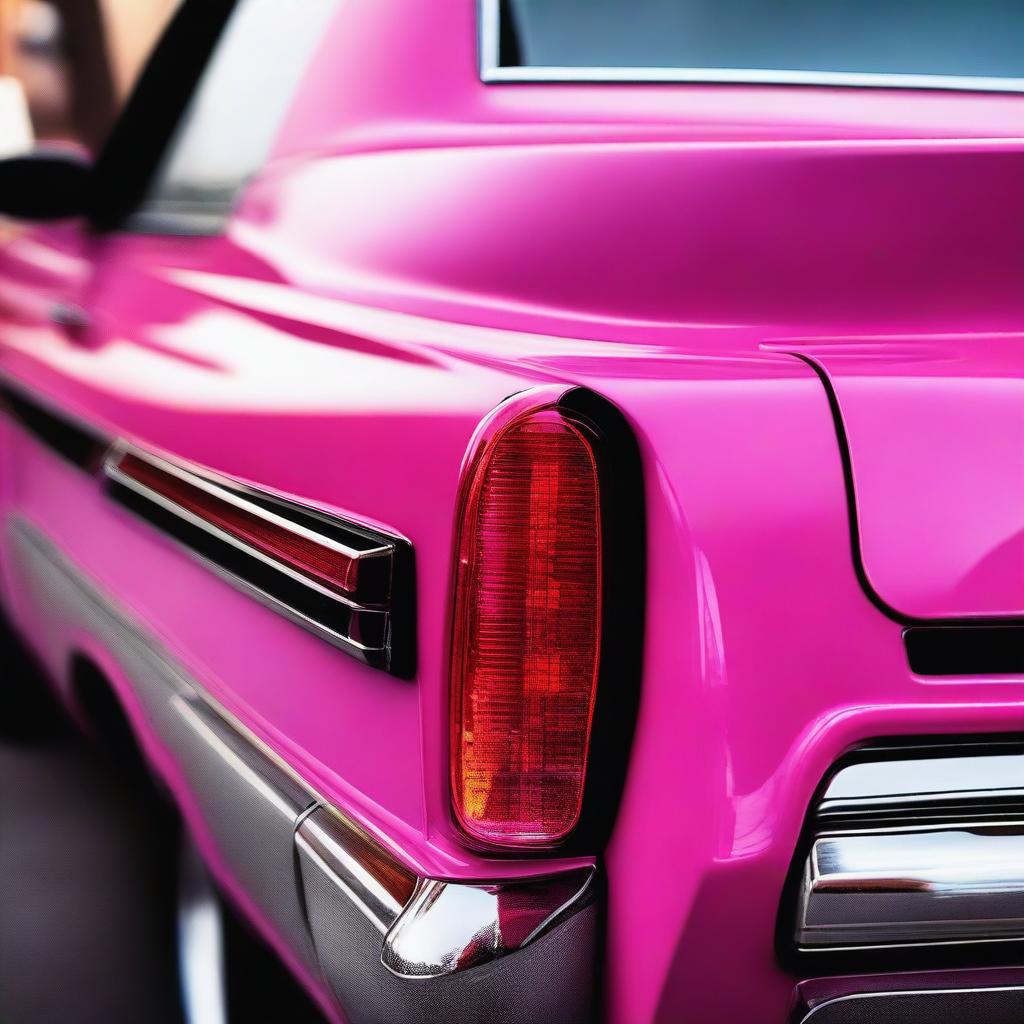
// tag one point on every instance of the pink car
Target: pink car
(544, 481)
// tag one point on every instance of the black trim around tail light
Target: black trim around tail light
(551, 550)
(348, 584)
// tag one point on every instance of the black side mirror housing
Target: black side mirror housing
(45, 185)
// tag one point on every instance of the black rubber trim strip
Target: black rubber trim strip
(966, 622)
(624, 593)
(965, 650)
(80, 446)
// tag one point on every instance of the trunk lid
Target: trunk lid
(935, 430)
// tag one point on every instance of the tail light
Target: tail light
(527, 631)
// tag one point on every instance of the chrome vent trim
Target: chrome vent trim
(377, 627)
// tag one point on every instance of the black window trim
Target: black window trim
(126, 166)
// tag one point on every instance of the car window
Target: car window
(973, 43)
(231, 122)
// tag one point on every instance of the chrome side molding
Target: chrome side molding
(342, 902)
(354, 862)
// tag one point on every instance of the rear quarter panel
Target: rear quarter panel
(422, 247)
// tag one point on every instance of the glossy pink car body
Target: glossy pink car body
(421, 246)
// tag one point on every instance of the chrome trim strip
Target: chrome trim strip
(113, 472)
(897, 993)
(318, 826)
(186, 687)
(882, 783)
(489, 21)
(275, 604)
(491, 71)
(219, 737)
(735, 76)
(894, 803)
(314, 836)
(817, 952)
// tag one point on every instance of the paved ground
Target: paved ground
(88, 876)
(86, 888)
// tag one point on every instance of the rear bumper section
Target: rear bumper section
(963, 997)
(383, 943)
(914, 847)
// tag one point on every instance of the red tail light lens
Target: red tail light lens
(526, 640)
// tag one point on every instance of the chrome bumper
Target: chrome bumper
(387, 944)
(441, 950)
(917, 846)
(949, 883)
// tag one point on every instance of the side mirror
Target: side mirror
(45, 185)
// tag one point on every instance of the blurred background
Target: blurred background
(74, 62)
(91, 890)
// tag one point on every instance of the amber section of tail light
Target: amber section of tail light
(527, 632)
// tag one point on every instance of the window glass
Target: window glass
(970, 38)
(232, 120)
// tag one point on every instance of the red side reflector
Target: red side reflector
(331, 568)
(526, 640)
